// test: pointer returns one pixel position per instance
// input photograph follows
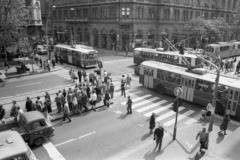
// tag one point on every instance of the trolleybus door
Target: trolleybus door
(188, 86)
(69, 53)
(148, 77)
(233, 101)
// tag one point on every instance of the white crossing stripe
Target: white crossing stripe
(137, 99)
(151, 106)
(53, 153)
(118, 93)
(180, 117)
(163, 108)
(191, 121)
(168, 114)
(144, 102)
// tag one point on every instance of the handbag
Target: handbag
(206, 145)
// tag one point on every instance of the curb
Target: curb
(34, 73)
(70, 115)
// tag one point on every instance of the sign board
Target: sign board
(178, 92)
(100, 64)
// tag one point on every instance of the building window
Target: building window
(85, 13)
(234, 4)
(72, 15)
(166, 14)
(139, 12)
(223, 4)
(112, 12)
(191, 14)
(177, 1)
(206, 15)
(103, 12)
(54, 14)
(60, 14)
(176, 14)
(126, 12)
(198, 3)
(185, 15)
(151, 13)
(222, 15)
(212, 15)
(227, 18)
(79, 15)
(229, 4)
(197, 14)
(94, 12)
(65, 14)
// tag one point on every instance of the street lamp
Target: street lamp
(210, 126)
(49, 13)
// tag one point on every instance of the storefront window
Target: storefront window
(204, 86)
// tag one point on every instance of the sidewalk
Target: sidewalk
(34, 69)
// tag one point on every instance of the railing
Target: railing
(78, 20)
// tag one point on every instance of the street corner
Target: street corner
(186, 138)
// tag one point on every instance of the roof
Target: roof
(81, 48)
(229, 81)
(175, 53)
(226, 150)
(32, 116)
(17, 147)
(223, 43)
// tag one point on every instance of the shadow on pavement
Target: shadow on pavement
(145, 136)
(122, 116)
(220, 137)
(132, 66)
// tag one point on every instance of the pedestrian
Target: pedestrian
(123, 93)
(74, 76)
(53, 63)
(106, 99)
(2, 114)
(58, 101)
(45, 111)
(70, 73)
(20, 112)
(204, 138)
(80, 76)
(209, 108)
(200, 154)
(111, 90)
(237, 68)
(48, 104)
(128, 81)
(84, 100)
(47, 95)
(84, 74)
(105, 74)
(158, 136)
(29, 105)
(48, 65)
(152, 123)
(224, 125)
(66, 112)
(79, 101)
(123, 80)
(126, 49)
(93, 99)
(129, 105)
(70, 100)
(38, 106)
(6, 64)
(203, 114)
(75, 106)
(41, 63)
(64, 93)
(39, 100)
(14, 112)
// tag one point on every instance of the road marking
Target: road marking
(163, 108)
(75, 139)
(52, 151)
(137, 99)
(180, 117)
(191, 121)
(151, 106)
(144, 102)
(128, 93)
(28, 84)
(168, 114)
(117, 60)
(117, 111)
(189, 146)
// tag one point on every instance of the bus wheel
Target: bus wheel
(161, 89)
(38, 141)
(219, 108)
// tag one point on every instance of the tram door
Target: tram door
(148, 77)
(188, 86)
(69, 52)
(233, 101)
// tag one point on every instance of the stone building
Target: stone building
(118, 24)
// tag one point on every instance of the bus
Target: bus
(224, 49)
(171, 57)
(12, 147)
(79, 55)
(226, 150)
(196, 88)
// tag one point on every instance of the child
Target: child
(203, 114)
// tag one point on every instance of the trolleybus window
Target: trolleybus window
(204, 86)
(198, 61)
(137, 54)
(64, 51)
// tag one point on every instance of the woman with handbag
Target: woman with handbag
(152, 123)
(209, 109)
(223, 126)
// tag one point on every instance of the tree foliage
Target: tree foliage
(13, 19)
(206, 28)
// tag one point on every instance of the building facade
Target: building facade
(122, 24)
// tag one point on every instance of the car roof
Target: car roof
(11, 144)
(32, 116)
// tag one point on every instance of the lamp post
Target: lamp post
(210, 126)
(49, 13)
(71, 31)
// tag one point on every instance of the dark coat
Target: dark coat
(224, 124)
(29, 105)
(152, 122)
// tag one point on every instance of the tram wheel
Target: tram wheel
(161, 89)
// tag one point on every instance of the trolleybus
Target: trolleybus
(224, 49)
(197, 88)
(80, 55)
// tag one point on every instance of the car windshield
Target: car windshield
(209, 49)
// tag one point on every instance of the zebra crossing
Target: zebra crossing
(148, 104)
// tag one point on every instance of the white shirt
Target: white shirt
(209, 107)
(94, 96)
(105, 74)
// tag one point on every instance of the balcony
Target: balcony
(77, 20)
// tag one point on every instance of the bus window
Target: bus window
(155, 56)
(236, 96)
(204, 86)
(171, 77)
(176, 59)
(136, 53)
(234, 106)
(164, 58)
(64, 51)
(239, 46)
(209, 49)
(229, 105)
(69, 52)
(163, 75)
(198, 62)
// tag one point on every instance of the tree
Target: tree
(13, 19)
(204, 29)
(235, 29)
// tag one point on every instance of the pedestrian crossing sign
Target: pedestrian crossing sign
(178, 91)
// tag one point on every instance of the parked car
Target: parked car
(42, 49)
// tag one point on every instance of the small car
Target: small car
(42, 49)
